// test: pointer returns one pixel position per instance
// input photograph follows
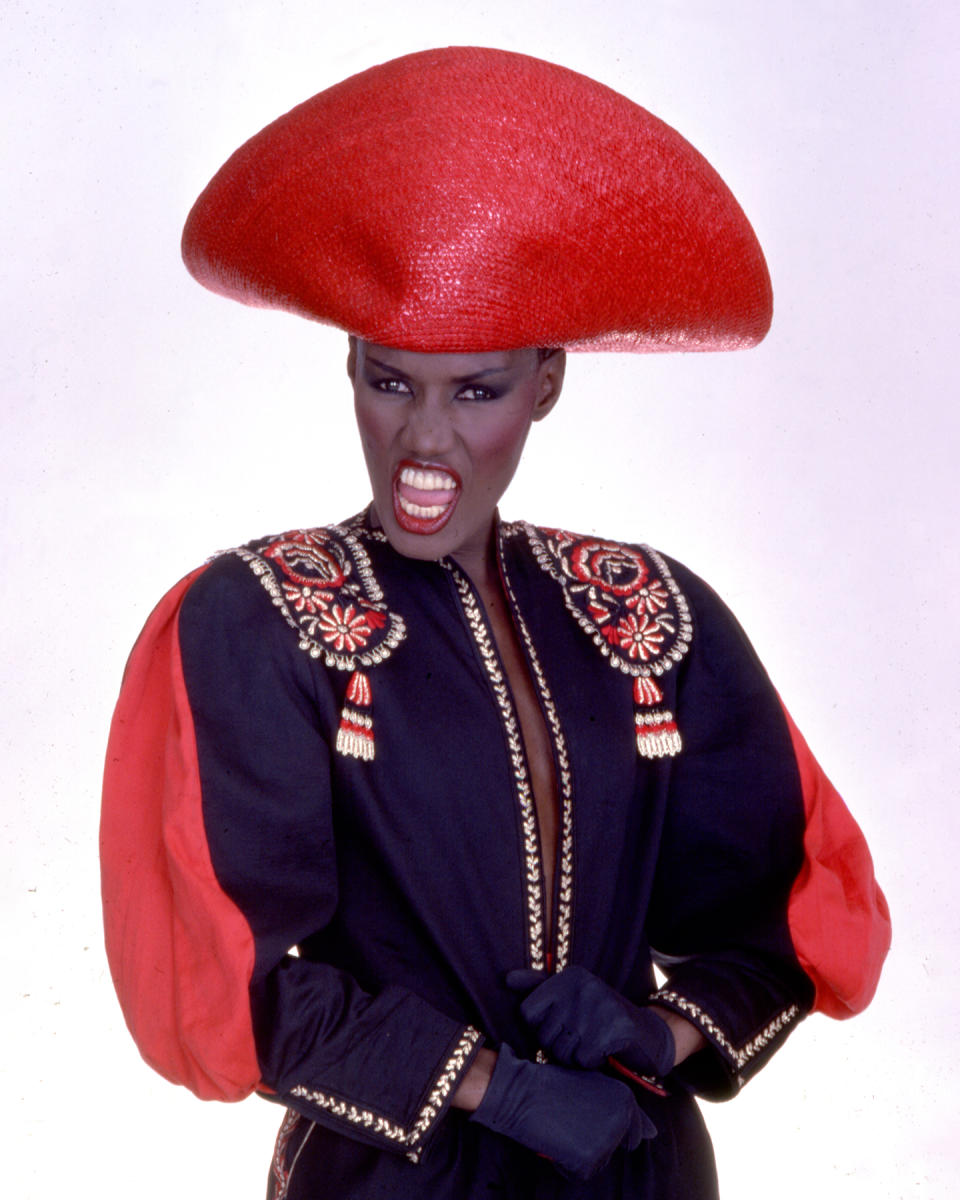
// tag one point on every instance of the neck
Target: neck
(480, 564)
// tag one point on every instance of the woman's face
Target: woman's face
(442, 435)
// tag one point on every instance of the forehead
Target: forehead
(440, 367)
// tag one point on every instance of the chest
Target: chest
(505, 762)
(538, 747)
(484, 753)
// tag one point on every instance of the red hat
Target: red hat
(465, 199)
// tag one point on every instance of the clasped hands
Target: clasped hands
(570, 1113)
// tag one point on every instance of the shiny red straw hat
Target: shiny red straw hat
(465, 199)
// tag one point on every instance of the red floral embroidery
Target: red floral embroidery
(626, 600)
(615, 569)
(323, 584)
(600, 615)
(621, 597)
(305, 599)
(640, 637)
(310, 559)
(344, 629)
(652, 598)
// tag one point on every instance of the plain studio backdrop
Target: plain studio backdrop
(147, 423)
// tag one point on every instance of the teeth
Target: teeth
(427, 481)
(420, 510)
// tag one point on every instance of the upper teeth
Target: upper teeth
(427, 481)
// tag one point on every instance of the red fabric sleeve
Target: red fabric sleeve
(180, 951)
(839, 920)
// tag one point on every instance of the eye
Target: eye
(395, 387)
(475, 391)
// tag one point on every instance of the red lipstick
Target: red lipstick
(424, 496)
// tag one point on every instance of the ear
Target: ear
(352, 358)
(549, 383)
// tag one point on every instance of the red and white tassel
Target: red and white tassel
(355, 735)
(657, 733)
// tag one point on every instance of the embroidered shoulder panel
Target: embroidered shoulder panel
(623, 597)
(323, 586)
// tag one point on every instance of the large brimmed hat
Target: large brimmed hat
(467, 199)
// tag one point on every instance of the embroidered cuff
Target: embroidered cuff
(720, 1070)
(367, 1125)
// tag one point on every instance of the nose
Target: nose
(429, 428)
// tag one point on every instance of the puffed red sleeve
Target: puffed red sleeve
(838, 916)
(218, 858)
(765, 905)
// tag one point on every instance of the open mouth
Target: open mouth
(424, 496)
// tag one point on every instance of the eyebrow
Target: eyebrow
(469, 378)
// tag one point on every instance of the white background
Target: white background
(147, 423)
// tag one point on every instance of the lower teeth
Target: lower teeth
(419, 510)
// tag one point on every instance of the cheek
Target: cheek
(500, 449)
(373, 426)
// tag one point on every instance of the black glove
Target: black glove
(577, 1119)
(581, 1021)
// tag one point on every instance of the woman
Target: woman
(399, 813)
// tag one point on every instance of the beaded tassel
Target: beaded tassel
(657, 733)
(355, 735)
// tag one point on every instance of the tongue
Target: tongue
(424, 497)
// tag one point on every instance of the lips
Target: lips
(424, 496)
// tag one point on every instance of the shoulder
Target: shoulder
(642, 607)
(608, 567)
(625, 595)
(313, 586)
(611, 565)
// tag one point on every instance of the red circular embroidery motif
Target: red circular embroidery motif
(619, 596)
(613, 568)
(307, 560)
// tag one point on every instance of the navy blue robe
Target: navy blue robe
(321, 854)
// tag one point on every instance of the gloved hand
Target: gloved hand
(577, 1119)
(581, 1021)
